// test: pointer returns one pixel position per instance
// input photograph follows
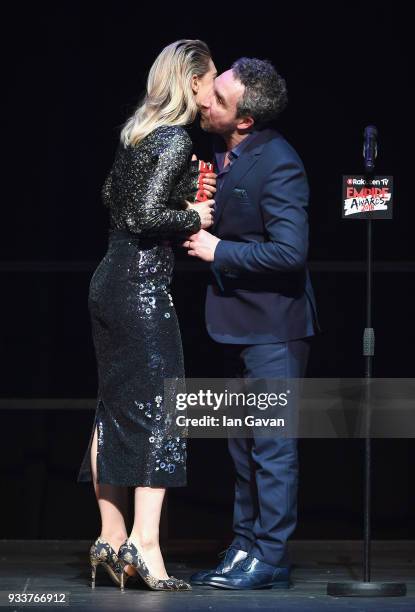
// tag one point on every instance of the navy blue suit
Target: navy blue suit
(260, 306)
(262, 291)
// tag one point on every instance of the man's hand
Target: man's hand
(202, 245)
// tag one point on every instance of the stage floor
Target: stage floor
(58, 566)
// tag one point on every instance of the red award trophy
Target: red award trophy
(204, 168)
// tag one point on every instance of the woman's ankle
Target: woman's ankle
(145, 541)
(115, 539)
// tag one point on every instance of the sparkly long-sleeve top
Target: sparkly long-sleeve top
(148, 183)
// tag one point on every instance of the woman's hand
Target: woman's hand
(209, 181)
(205, 212)
(209, 184)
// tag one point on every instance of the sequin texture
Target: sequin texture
(148, 184)
(134, 324)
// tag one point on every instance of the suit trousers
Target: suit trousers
(265, 506)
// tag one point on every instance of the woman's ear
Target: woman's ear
(195, 84)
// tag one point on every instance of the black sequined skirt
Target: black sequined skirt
(137, 345)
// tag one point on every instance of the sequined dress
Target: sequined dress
(134, 325)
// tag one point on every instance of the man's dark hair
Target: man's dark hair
(265, 93)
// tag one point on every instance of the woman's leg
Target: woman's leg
(113, 504)
(145, 532)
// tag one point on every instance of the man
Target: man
(260, 304)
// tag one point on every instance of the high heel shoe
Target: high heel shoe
(102, 553)
(129, 555)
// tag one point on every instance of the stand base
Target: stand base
(366, 589)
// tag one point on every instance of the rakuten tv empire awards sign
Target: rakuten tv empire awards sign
(367, 198)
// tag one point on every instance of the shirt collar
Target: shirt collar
(236, 151)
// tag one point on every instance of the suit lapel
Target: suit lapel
(239, 168)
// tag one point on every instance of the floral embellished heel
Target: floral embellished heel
(102, 553)
(129, 555)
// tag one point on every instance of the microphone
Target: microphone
(370, 149)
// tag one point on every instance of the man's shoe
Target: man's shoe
(252, 574)
(231, 558)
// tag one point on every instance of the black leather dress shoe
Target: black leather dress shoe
(231, 558)
(252, 574)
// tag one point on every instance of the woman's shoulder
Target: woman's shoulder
(171, 139)
(170, 135)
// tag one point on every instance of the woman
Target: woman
(134, 325)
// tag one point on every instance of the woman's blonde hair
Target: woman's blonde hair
(169, 99)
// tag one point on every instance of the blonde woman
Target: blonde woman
(135, 330)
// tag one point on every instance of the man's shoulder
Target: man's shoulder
(273, 139)
(277, 147)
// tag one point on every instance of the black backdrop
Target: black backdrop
(73, 72)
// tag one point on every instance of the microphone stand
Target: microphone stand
(367, 588)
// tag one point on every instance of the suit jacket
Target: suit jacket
(260, 290)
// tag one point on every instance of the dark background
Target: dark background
(73, 74)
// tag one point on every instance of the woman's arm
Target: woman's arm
(152, 215)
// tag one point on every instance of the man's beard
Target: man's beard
(204, 124)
